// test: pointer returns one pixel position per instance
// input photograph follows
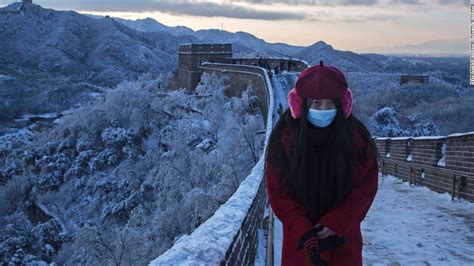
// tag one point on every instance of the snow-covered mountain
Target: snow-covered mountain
(66, 42)
(259, 46)
(246, 44)
(345, 60)
(47, 55)
(432, 47)
(151, 25)
(243, 43)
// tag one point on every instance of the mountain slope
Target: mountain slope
(345, 60)
(46, 55)
(244, 44)
(151, 25)
(445, 47)
(66, 42)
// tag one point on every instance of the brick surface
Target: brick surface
(426, 153)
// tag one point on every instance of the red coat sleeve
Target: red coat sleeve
(287, 209)
(349, 213)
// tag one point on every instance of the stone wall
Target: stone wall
(243, 249)
(288, 64)
(441, 163)
(192, 55)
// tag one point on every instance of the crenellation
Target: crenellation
(435, 163)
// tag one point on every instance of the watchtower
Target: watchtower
(192, 55)
(414, 79)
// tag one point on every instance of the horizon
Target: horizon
(265, 20)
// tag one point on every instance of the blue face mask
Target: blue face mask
(321, 118)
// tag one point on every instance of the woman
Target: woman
(321, 172)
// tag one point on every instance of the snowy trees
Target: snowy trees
(439, 104)
(384, 123)
(129, 174)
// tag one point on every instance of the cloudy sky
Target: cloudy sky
(356, 25)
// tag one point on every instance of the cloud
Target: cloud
(191, 8)
(209, 9)
(312, 2)
(355, 2)
(243, 10)
(374, 17)
(324, 16)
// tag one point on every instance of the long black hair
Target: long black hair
(298, 171)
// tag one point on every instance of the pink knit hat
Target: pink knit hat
(320, 82)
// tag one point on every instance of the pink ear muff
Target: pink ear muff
(295, 102)
(347, 103)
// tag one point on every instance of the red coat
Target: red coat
(344, 219)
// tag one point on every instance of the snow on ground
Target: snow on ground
(261, 249)
(261, 252)
(277, 245)
(281, 92)
(412, 226)
(262, 243)
(279, 96)
(282, 84)
(417, 226)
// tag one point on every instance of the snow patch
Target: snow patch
(460, 134)
(442, 161)
(5, 77)
(433, 230)
(429, 137)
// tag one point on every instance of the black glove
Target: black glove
(330, 242)
(309, 241)
(312, 248)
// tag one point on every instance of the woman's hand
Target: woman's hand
(325, 232)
